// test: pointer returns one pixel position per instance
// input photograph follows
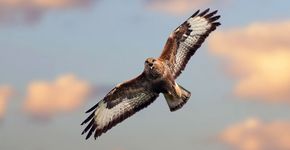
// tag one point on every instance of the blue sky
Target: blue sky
(106, 42)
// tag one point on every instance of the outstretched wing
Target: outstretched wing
(120, 103)
(187, 38)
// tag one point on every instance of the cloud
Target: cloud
(30, 11)
(176, 7)
(253, 134)
(258, 56)
(45, 99)
(5, 94)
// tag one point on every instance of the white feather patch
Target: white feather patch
(198, 25)
(104, 115)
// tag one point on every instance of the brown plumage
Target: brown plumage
(158, 77)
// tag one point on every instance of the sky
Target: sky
(60, 57)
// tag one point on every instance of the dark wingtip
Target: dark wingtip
(218, 17)
(211, 14)
(93, 108)
(217, 23)
(193, 15)
(204, 12)
(93, 128)
(88, 118)
(207, 10)
(84, 122)
(90, 126)
(215, 11)
(214, 18)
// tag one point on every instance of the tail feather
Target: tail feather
(176, 101)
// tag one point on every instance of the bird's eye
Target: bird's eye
(146, 62)
(153, 60)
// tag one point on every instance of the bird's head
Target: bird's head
(150, 63)
(153, 67)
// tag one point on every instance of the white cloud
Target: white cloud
(258, 56)
(45, 99)
(29, 11)
(175, 6)
(253, 134)
(5, 94)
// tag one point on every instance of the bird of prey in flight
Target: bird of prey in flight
(158, 77)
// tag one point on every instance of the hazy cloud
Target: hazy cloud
(259, 57)
(45, 99)
(5, 93)
(29, 11)
(254, 134)
(177, 7)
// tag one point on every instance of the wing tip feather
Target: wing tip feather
(93, 128)
(92, 108)
(217, 23)
(204, 12)
(211, 17)
(88, 118)
(214, 18)
(194, 14)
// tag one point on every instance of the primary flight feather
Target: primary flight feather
(158, 77)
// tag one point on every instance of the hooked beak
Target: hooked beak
(151, 65)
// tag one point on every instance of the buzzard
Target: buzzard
(158, 77)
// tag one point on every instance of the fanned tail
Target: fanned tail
(177, 99)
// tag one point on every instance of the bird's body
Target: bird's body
(158, 73)
(157, 78)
